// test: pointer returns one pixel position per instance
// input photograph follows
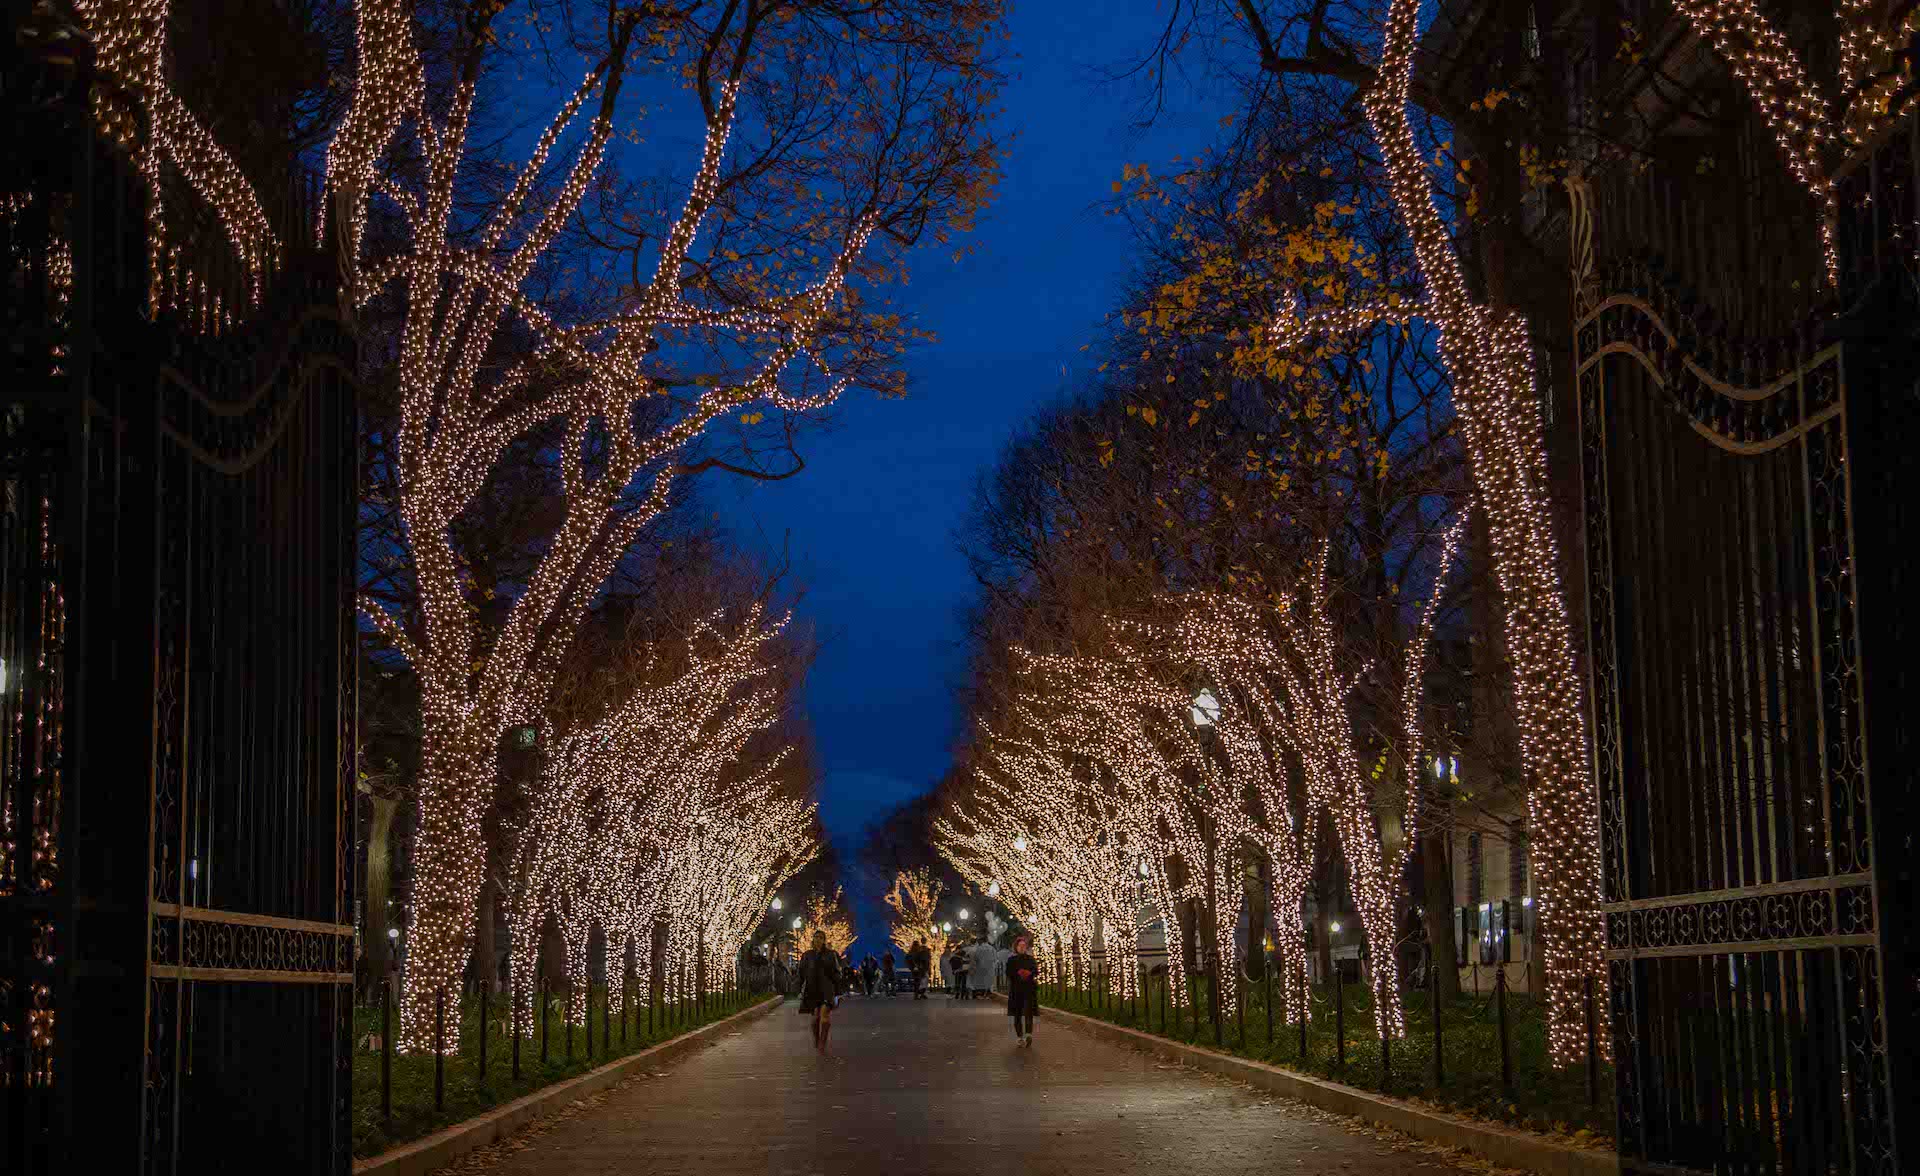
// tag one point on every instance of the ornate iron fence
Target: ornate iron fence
(1745, 572)
(176, 715)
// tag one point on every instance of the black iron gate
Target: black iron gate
(176, 686)
(1746, 580)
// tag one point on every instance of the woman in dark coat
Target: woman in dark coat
(820, 988)
(1023, 988)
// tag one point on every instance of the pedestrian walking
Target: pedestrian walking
(820, 988)
(1023, 988)
(887, 976)
(959, 965)
(919, 963)
(869, 972)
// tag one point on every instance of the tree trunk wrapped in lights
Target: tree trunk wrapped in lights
(485, 366)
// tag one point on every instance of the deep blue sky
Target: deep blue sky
(872, 520)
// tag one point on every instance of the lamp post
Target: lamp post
(1204, 714)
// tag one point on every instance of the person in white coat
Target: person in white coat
(986, 960)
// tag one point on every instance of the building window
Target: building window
(1474, 881)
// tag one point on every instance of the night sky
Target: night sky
(873, 519)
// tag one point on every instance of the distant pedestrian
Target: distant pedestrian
(869, 972)
(820, 988)
(919, 963)
(887, 976)
(958, 963)
(1023, 988)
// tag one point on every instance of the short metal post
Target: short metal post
(1500, 1002)
(1306, 1003)
(1216, 998)
(1266, 975)
(440, 1049)
(1593, 1046)
(1339, 1017)
(1386, 1048)
(1439, 1066)
(1240, 1006)
(386, 1052)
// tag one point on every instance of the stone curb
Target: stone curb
(1505, 1146)
(432, 1152)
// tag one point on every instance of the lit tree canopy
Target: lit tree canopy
(837, 137)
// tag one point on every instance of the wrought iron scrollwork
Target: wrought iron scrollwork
(194, 943)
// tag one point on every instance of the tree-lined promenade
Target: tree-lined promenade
(1460, 595)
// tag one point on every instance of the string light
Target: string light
(915, 897)
(650, 815)
(139, 111)
(829, 917)
(1490, 361)
(464, 300)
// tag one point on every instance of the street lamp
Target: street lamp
(1204, 713)
(947, 928)
(963, 914)
(776, 904)
(993, 890)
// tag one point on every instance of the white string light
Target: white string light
(463, 301)
(136, 107)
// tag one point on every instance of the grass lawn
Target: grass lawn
(468, 1092)
(1540, 1098)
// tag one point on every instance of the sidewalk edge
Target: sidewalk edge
(431, 1152)
(1506, 1146)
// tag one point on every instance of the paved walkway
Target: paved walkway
(938, 1087)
